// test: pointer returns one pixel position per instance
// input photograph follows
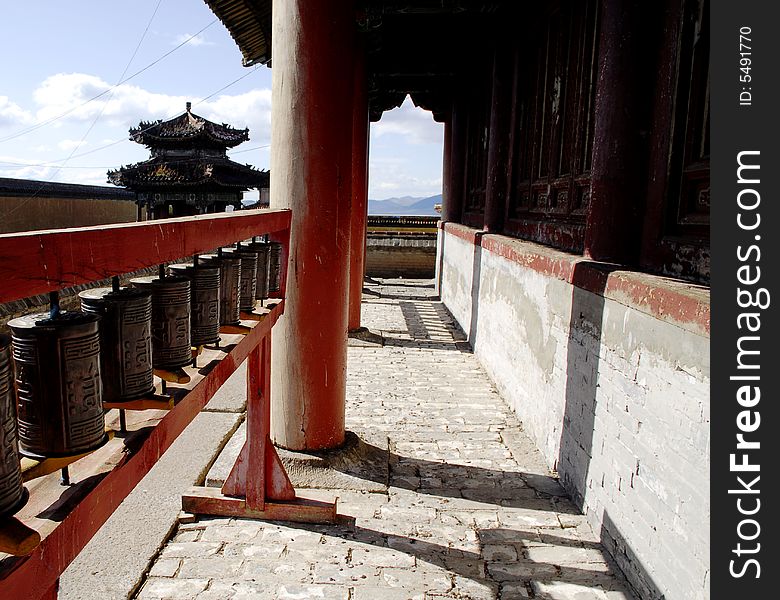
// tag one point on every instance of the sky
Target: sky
(76, 75)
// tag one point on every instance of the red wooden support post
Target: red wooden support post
(258, 486)
(311, 142)
(256, 429)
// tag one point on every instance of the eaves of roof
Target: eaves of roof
(249, 24)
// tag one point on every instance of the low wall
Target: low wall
(609, 372)
(29, 205)
(399, 255)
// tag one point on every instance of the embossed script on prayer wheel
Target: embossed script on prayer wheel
(248, 287)
(171, 347)
(263, 251)
(125, 340)
(229, 286)
(274, 266)
(204, 307)
(60, 398)
(13, 494)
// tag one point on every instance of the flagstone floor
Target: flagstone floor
(468, 509)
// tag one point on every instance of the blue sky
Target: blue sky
(56, 56)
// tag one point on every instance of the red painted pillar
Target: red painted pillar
(311, 173)
(452, 211)
(612, 231)
(498, 145)
(359, 214)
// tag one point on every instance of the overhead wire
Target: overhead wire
(51, 164)
(113, 89)
(97, 118)
(104, 92)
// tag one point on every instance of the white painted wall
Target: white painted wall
(616, 399)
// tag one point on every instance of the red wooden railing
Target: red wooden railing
(37, 262)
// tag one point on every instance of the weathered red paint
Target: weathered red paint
(359, 211)
(464, 232)
(45, 261)
(313, 47)
(662, 298)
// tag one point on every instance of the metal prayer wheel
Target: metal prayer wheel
(229, 286)
(248, 288)
(171, 346)
(13, 494)
(204, 306)
(263, 251)
(125, 340)
(274, 267)
(58, 382)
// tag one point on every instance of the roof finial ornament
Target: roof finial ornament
(189, 106)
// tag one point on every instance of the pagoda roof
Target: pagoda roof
(217, 172)
(187, 130)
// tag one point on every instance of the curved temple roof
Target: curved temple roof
(212, 172)
(188, 129)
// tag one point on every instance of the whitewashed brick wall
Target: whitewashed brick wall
(616, 398)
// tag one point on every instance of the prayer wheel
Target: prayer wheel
(125, 340)
(229, 286)
(171, 346)
(248, 287)
(204, 306)
(263, 251)
(274, 267)
(58, 379)
(13, 494)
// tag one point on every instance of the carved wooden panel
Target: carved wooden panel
(553, 119)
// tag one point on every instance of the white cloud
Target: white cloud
(12, 114)
(410, 122)
(395, 176)
(197, 40)
(68, 145)
(127, 105)
(21, 168)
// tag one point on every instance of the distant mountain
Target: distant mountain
(407, 205)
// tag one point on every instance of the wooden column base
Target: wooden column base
(211, 501)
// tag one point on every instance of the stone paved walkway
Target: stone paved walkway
(470, 511)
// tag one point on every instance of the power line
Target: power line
(113, 89)
(103, 93)
(177, 161)
(102, 109)
(119, 141)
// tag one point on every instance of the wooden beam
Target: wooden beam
(45, 261)
(210, 501)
